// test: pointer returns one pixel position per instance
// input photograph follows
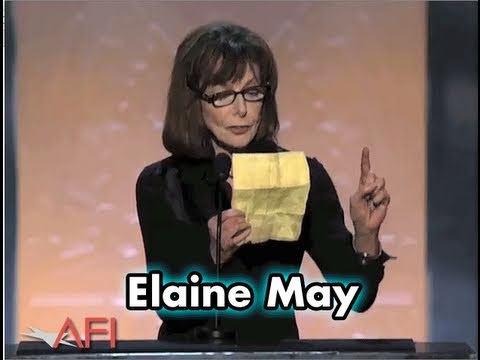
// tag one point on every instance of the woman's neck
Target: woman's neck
(219, 150)
(253, 147)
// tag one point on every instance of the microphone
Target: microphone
(222, 165)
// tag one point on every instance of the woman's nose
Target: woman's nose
(240, 106)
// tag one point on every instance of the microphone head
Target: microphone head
(222, 165)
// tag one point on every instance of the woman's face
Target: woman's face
(236, 124)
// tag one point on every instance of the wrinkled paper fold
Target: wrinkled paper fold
(272, 190)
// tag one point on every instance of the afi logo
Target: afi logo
(53, 339)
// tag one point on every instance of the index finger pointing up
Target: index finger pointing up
(365, 165)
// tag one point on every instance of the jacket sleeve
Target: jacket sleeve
(171, 243)
(330, 244)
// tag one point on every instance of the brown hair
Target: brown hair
(214, 54)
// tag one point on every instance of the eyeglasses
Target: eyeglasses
(225, 98)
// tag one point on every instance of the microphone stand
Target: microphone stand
(218, 335)
(218, 254)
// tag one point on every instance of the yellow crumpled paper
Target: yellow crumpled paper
(272, 190)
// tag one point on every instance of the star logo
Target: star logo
(49, 338)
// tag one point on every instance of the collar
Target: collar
(195, 171)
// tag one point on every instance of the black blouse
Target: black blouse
(176, 197)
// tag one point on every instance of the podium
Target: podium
(298, 349)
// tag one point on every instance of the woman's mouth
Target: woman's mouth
(239, 130)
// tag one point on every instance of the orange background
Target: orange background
(91, 86)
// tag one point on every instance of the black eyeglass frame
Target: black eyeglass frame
(211, 99)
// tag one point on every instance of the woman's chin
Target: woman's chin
(238, 145)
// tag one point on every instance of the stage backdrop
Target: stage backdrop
(92, 81)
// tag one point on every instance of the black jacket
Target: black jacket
(175, 198)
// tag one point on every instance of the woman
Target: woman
(222, 99)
